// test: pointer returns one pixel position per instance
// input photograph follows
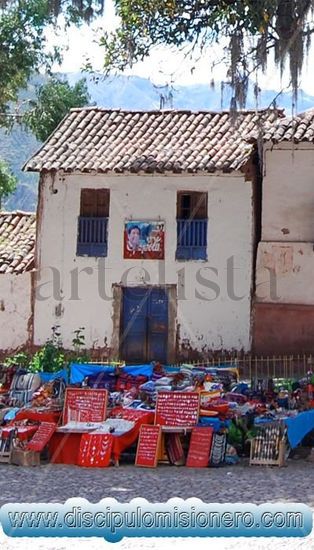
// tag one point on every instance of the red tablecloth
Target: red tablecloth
(64, 447)
(39, 416)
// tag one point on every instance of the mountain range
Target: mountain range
(126, 92)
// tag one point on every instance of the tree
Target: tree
(253, 28)
(23, 48)
(7, 181)
(53, 101)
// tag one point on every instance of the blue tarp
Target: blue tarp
(78, 371)
(299, 426)
(135, 370)
(47, 376)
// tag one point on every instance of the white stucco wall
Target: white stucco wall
(285, 260)
(284, 273)
(15, 310)
(205, 321)
(288, 193)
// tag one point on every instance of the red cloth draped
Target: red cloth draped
(39, 416)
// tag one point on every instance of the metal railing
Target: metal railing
(249, 366)
(259, 366)
(191, 239)
(92, 236)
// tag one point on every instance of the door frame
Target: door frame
(117, 317)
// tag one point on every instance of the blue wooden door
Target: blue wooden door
(144, 334)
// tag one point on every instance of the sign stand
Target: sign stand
(148, 446)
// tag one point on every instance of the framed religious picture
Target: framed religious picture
(144, 240)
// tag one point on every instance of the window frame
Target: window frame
(192, 226)
(92, 223)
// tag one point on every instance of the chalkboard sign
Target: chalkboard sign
(84, 405)
(177, 409)
(148, 446)
(199, 449)
(42, 436)
(95, 450)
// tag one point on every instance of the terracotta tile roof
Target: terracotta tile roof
(296, 129)
(17, 241)
(101, 140)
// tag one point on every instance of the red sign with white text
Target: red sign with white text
(42, 436)
(84, 405)
(177, 408)
(199, 449)
(148, 446)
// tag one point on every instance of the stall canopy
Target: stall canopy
(48, 376)
(139, 370)
(78, 371)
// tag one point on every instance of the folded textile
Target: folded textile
(164, 381)
(148, 386)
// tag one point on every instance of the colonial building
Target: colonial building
(167, 235)
(147, 230)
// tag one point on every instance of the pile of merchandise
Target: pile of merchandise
(249, 417)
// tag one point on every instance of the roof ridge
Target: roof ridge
(174, 110)
(16, 213)
(157, 141)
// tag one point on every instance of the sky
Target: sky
(165, 65)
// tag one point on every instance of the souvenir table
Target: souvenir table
(83, 410)
(64, 446)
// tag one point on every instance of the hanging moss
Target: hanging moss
(255, 29)
(78, 9)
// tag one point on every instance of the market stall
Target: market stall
(194, 415)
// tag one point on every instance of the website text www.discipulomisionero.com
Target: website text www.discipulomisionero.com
(113, 520)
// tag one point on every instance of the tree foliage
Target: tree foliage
(23, 48)
(21, 45)
(52, 103)
(253, 29)
(7, 181)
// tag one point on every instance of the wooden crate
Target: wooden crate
(5, 457)
(280, 461)
(19, 457)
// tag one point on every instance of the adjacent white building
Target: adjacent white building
(284, 307)
(17, 243)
